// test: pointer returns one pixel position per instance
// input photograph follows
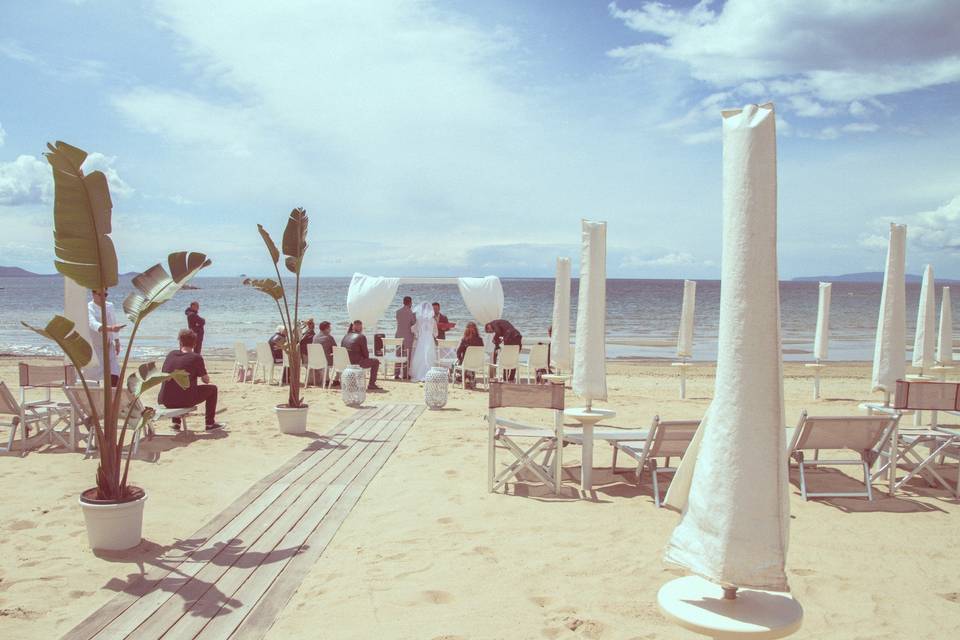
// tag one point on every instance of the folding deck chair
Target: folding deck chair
(506, 434)
(864, 435)
(666, 439)
(59, 428)
(22, 417)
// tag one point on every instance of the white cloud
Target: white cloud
(96, 161)
(29, 180)
(3, 135)
(827, 50)
(861, 127)
(938, 229)
(809, 108)
(673, 259)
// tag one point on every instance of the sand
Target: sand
(428, 553)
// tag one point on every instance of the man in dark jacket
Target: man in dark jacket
(195, 323)
(503, 333)
(356, 345)
(173, 396)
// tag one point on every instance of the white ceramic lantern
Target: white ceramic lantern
(435, 387)
(353, 386)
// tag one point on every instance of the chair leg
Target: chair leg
(866, 481)
(613, 465)
(656, 485)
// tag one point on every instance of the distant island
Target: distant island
(866, 276)
(17, 272)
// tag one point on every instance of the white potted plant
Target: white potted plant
(82, 211)
(292, 416)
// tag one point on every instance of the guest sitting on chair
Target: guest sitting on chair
(471, 338)
(356, 345)
(306, 338)
(277, 342)
(173, 396)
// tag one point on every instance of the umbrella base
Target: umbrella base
(698, 605)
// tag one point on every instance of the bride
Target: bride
(425, 343)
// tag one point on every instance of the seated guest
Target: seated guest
(277, 342)
(306, 338)
(325, 340)
(471, 338)
(173, 396)
(503, 333)
(356, 345)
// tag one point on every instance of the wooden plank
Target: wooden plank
(222, 529)
(259, 537)
(265, 611)
(286, 544)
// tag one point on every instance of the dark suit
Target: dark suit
(405, 321)
(195, 323)
(328, 343)
(356, 346)
(505, 333)
(441, 333)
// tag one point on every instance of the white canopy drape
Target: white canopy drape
(821, 341)
(732, 483)
(590, 348)
(483, 297)
(924, 340)
(560, 336)
(685, 336)
(945, 338)
(890, 353)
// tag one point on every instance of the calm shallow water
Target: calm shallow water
(638, 312)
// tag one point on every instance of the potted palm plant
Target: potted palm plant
(82, 211)
(292, 416)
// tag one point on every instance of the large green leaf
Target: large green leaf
(295, 239)
(155, 286)
(60, 330)
(148, 377)
(269, 286)
(81, 220)
(271, 245)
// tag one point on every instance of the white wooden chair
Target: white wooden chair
(83, 413)
(264, 363)
(863, 435)
(508, 359)
(394, 357)
(44, 378)
(447, 353)
(536, 360)
(666, 439)
(341, 360)
(14, 416)
(241, 360)
(475, 362)
(316, 361)
(506, 434)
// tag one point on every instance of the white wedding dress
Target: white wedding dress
(424, 343)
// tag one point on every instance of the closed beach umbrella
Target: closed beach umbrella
(821, 341)
(685, 335)
(945, 341)
(924, 340)
(560, 336)
(590, 350)
(890, 353)
(75, 310)
(732, 485)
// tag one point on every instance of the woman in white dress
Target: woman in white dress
(425, 343)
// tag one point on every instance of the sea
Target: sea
(642, 315)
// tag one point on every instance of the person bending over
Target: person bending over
(356, 345)
(503, 333)
(173, 396)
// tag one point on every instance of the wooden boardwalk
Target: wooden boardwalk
(232, 578)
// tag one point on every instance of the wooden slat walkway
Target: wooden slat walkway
(232, 578)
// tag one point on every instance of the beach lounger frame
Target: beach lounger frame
(666, 439)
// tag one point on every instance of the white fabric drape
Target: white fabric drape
(483, 297)
(685, 335)
(945, 337)
(890, 353)
(369, 297)
(821, 341)
(732, 483)
(560, 337)
(75, 310)
(590, 349)
(924, 340)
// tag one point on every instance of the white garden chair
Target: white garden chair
(316, 361)
(341, 360)
(447, 353)
(507, 434)
(666, 439)
(241, 360)
(264, 363)
(508, 359)
(475, 362)
(44, 378)
(14, 416)
(395, 356)
(536, 360)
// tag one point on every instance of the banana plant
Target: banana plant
(82, 212)
(294, 247)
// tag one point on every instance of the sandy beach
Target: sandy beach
(428, 553)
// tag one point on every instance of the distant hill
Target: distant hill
(866, 276)
(17, 272)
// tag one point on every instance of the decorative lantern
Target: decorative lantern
(353, 386)
(435, 387)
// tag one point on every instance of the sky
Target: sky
(470, 138)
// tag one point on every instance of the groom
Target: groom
(405, 321)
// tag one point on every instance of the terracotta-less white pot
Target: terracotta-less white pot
(114, 526)
(292, 420)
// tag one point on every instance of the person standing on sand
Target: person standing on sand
(100, 325)
(195, 323)
(503, 333)
(405, 321)
(443, 323)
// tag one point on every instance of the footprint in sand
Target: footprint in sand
(951, 597)
(486, 552)
(445, 520)
(437, 597)
(541, 601)
(451, 473)
(20, 525)
(803, 572)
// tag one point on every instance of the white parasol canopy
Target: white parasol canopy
(590, 350)
(560, 335)
(924, 340)
(890, 354)
(732, 484)
(685, 335)
(945, 338)
(821, 341)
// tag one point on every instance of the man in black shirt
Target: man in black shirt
(195, 323)
(503, 333)
(173, 396)
(356, 345)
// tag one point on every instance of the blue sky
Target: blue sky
(461, 137)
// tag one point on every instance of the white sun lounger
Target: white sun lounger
(666, 439)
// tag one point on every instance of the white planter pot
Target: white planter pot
(292, 420)
(114, 527)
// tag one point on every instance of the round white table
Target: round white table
(698, 605)
(587, 418)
